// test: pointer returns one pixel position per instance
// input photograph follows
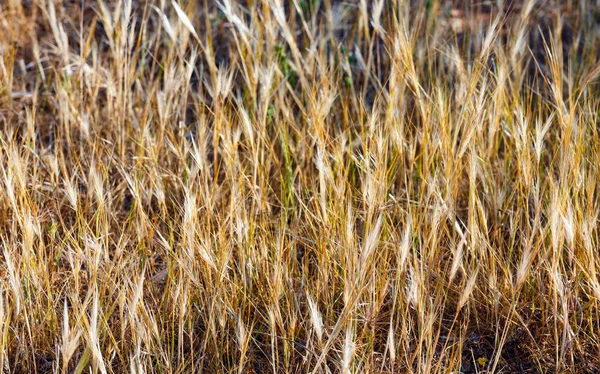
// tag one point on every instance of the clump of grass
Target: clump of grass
(302, 186)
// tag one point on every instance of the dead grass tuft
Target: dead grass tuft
(299, 186)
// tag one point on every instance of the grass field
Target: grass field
(302, 186)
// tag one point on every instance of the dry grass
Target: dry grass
(304, 186)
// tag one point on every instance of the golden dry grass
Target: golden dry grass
(305, 186)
